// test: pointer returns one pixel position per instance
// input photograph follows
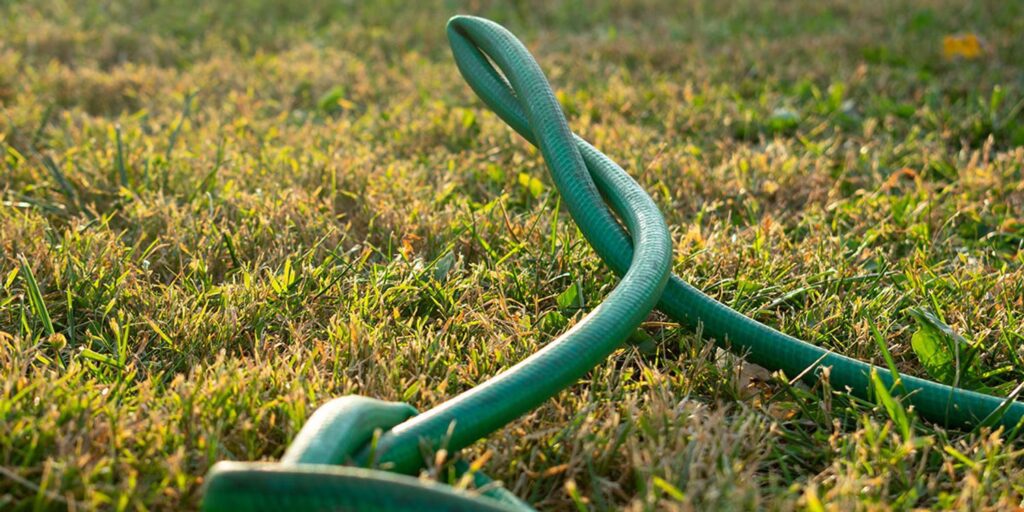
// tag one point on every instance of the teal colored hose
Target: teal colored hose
(309, 476)
(942, 404)
(626, 229)
(330, 438)
(487, 407)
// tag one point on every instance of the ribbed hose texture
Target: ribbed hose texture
(263, 487)
(598, 195)
(514, 392)
(758, 343)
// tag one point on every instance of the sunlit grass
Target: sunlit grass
(218, 215)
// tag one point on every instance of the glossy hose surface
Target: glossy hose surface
(340, 427)
(759, 343)
(335, 430)
(274, 487)
(309, 477)
(489, 406)
(598, 195)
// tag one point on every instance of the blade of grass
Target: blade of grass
(173, 139)
(35, 296)
(892, 407)
(122, 173)
(880, 340)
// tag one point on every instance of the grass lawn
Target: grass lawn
(216, 216)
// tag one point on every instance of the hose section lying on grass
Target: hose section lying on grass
(457, 423)
(596, 192)
(759, 343)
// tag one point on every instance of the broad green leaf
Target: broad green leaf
(943, 352)
(443, 266)
(933, 355)
(329, 102)
(571, 299)
(553, 321)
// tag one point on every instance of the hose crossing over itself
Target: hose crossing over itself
(598, 195)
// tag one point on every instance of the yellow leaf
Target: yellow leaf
(813, 501)
(408, 240)
(966, 46)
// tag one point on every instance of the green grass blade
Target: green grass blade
(35, 296)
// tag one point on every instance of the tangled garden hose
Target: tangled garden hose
(598, 195)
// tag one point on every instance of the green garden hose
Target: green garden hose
(598, 195)
(309, 476)
(485, 408)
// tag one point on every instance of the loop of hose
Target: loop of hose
(489, 406)
(309, 476)
(758, 343)
(626, 229)
(334, 432)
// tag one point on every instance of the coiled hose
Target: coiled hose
(598, 195)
